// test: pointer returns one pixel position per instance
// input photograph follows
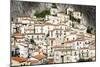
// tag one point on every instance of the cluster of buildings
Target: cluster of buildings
(57, 38)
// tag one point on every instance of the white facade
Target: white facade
(77, 15)
(84, 53)
(70, 9)
(53, 11)
(57, 57)
(23, 49)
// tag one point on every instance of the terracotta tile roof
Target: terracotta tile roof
(24, 17)
(14, 63)
(50, 61)
(19, 59)
(19, 37)
(18, 34)
(33, 61)
(40, 56)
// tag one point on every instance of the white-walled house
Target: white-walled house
(23, 49)
(58, 33)
(69, 23)
(92, 51)
(77, 15)
(55, 36)
(28, 29)
(39, 28)
(48, 27)
(53, 11)
(24, 19)
(82, 28)
(65, 54)
(70, 37)
(84, 53)
(13, 26)
(69, 9)
(53, 19)
(57, 57)
(75, 55)
(19, 37)
(66, 18)
(62, 17)
(39, 37)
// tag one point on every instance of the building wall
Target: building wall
(57, 57)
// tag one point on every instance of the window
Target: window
(64, 33)
(82, 53)
(77, 43)
(67, 58)
(51, 34)
(53, 11)
(78, 14)
(57, 54)
(37, 30)
(53, 21)
(60, 33)
(42, 36)
(37, 37)
(57, 33)
(51, 42)
(87, 53)
(73, 38)
(75, 54)
(67, 39)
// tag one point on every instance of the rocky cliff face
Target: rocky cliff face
(22, 8)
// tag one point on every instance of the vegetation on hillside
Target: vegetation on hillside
(42, 14)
